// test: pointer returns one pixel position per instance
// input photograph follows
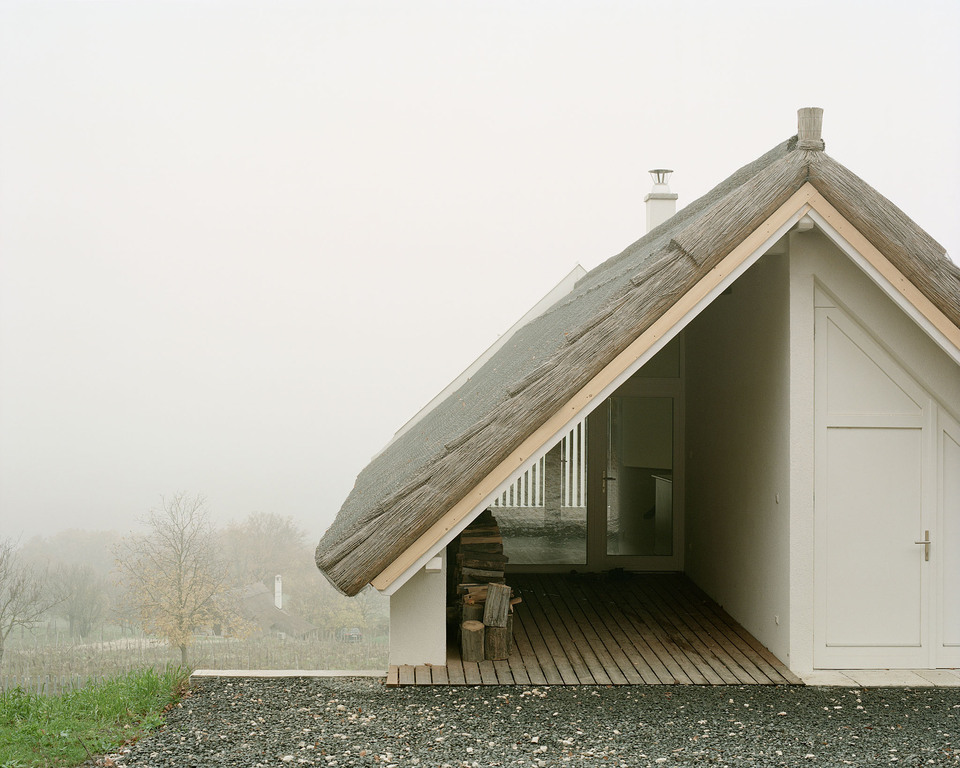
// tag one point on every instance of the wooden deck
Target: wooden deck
(613, 629)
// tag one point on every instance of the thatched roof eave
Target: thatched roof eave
(625, 296)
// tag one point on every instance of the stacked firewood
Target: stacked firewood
(486, 602)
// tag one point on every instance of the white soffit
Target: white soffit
(600, 396)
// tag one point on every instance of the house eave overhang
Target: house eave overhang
(805, 201)
(618, 370)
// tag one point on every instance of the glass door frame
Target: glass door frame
(597, 448)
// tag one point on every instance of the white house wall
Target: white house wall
(738, 452)
(418, 618)
(820, 274)
(750, 431)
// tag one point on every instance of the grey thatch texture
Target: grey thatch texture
(428, 470)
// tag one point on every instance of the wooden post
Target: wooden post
(498, 641)
(497, 607)
(553, 484)
(471, 641)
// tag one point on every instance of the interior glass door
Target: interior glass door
(639, 477)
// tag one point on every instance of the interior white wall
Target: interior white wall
(815, 260)
(418, 618)
(738, 452)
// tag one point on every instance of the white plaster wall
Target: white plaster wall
(738, 452)
(418, 620)
(814, 260)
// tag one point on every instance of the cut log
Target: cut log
(478, 560)
(489, 560)
(472, 611)
(497, 607)
(498, 641)
(484, 547)
(479, 576)
(471, 641)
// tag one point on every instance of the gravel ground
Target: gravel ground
(346, 722)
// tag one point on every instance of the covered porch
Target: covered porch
(614, 628)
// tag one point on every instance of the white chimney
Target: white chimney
(661, 202)
(278, 591)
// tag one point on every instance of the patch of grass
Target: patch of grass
(50, 731)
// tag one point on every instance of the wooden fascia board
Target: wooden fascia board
(885, 268)
(582, 399)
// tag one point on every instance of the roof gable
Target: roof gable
(400, 497)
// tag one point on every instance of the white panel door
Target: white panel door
(872, 466)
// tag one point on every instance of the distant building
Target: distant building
(258, 606)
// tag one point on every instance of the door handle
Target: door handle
(926, 545)
(606, 479)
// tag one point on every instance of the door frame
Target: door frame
(879, 656)
(597, 447)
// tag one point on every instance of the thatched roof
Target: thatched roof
(426, 471)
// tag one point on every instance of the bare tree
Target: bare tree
(82, 594)
(174, 578)
(23, 595)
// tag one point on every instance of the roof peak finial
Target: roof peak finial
(809, 127)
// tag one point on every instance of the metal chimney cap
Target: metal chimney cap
(660, 175)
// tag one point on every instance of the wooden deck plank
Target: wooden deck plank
(517, 667)
(552, 649)
(588, 667)
(615, 662)
(716, 645)
(595, 609)
(673, 657)
(540, 624)
(714, 628)
(531, 663)
(407, 675)
(502, 668)
(421, 675)
(774, 668)
(696, 651)
(471, 673)
(454, 666)
(488, 673)
(637, 633)
(634, 629)
(393, 676)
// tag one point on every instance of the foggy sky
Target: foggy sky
(242, 243)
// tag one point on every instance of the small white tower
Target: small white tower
(661, 202)
(278, 591)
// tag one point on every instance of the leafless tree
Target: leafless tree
(82, 594)
(24, 598)
(174, 578)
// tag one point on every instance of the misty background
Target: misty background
(242, 243)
